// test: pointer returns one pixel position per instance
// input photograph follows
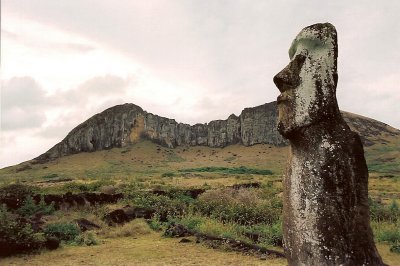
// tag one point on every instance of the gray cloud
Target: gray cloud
(234, 48)
(22, 104)
(21, 92)
(107, 86)
(18, 118)
(75, 47)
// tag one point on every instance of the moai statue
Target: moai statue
(326, 213)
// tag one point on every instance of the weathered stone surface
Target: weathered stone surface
(65, 200)
(127, 214)
(326, 212)
(259, 125)
(85, 224)
(124, 124)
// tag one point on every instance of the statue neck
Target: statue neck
(311, 137)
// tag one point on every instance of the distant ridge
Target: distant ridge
(125, 124)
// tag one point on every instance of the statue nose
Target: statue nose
(289, 78)
(281, 79)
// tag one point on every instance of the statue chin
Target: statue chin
(288, 131)
(284, 130)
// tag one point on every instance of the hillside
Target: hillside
(125, 124)
(143, 169)
(115, 138)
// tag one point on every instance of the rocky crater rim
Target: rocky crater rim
(125, 124)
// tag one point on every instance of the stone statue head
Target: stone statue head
(308, 83)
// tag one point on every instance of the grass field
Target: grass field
(151, 166)
(150, 249)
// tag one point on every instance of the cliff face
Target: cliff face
(121, 125)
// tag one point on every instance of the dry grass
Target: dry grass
(388, 257)
(145, 162)
(150, 249)
(135, 228)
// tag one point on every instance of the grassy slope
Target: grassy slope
(150, 249)
(146, 162)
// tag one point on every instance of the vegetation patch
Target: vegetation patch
(168, 174)
(30, 207)
(78, 187)
(229, 170)
(63, 231)
(135, 228)
(16, 235)
(386, 223)
(49, 176)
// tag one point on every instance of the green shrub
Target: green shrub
(62, 231)
(134, 228)
(168, 174)
(215, 228)
(15, 194)
(131, 190)
(16, 236)
(395, 248)
(391, 236)
(386, 231)
(163, 205)
(227, 170)
(381, 212)
(86, 187)
(268, 234)
(155, 223)
(87, 239)
(30, 207)
(243, 206)
(49, 176)
(192, 222)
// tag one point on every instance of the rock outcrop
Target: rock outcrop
(122, 125)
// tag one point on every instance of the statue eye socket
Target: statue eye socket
(298, 61)
(300, 58)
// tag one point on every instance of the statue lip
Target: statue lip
(282, 99)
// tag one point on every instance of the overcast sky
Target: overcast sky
(63, 61)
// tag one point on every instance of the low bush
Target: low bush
(131, 189)
(155, 223)
(63, 231)
(86, 239)
(266, 234)
(14, 195)
(164, 206)
(227, 170)
(381, 212)
(134, 228)
(242, 206)
(168, 174)
(49, 176)
(386, 231)
(262, 234)
(395, 248)
(208, 226)
(86, 187)
(30, 207)
(16, 236)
